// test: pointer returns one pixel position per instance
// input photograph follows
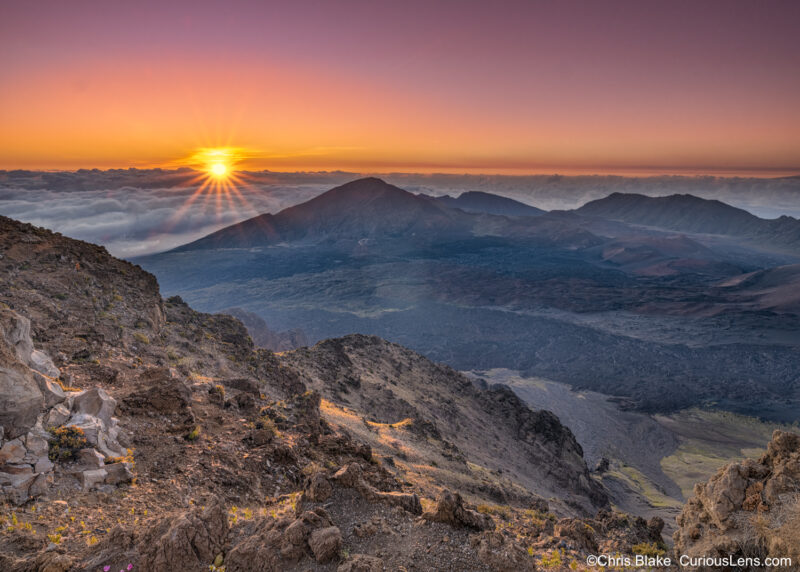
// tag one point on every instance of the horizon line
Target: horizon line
(632, 172)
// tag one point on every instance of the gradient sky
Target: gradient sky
(503, 86)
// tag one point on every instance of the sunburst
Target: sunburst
(218, 182)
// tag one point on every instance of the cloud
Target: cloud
(136, 212)
(132, 221)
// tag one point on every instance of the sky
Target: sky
(514, 86)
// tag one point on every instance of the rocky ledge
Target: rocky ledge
(48, 432)
(749, 509)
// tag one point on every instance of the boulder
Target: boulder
(12, 452)
(90, 459)
(52, 392)
(15, 331)
(91, 478)
(118, 473)
(159, 391)
(57, 416)
(90, 425)
(325, 543)
(43, 465)
(38, 486)
(319, 488)
(244, 384)
(501, 553)
(351, 476)
(17, 469)
(450, 509)
(273, 544)
(189, 541)
(580, 534)
(16, 486)
(95, 402)
(20, 399)
(99, 434)
(42, 363)
(36, 445)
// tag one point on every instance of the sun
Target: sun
(216, 163)
(219, 183)
(218, 169)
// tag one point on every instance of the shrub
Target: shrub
(503, 512)
(268, 424)
(141, 338)
(648, 549)
(66, 443)
(193, 434)
(552, 561)
(220, 389)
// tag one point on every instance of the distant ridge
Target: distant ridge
(480, 202)
(688, 213)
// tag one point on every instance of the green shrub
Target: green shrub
(66, 443)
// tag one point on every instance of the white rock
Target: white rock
(36, 445)
(16, 331)
(20, 399)
(42, 363)
(109, 446)
(90, 458)
(90, 479)
(90, 425)
(16, 486)
(43, 465)
(38, 486)
(51, 391)
(95, 402)
(57, 416)
(98, 434)
(12, 452)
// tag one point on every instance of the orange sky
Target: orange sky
(506, 87)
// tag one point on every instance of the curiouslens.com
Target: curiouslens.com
(607, 560)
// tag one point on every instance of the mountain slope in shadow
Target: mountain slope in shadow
(687, 213)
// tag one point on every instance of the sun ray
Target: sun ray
(220, 190)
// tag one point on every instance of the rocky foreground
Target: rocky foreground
(136, 431)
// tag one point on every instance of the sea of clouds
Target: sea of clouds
(137, 212)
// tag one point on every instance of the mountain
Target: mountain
(173, 443)
(687, 213)
(362, 209)
(359, 213)
(480, 202)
